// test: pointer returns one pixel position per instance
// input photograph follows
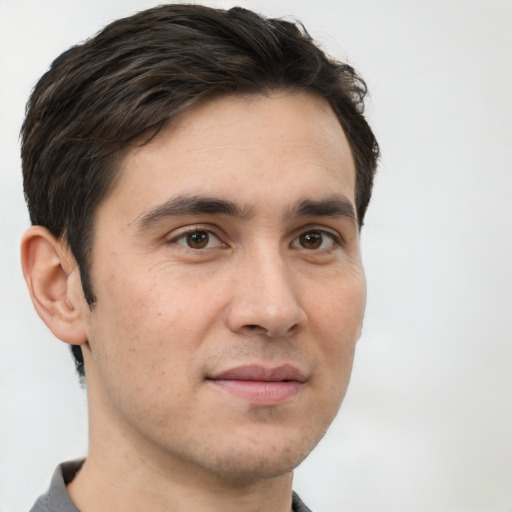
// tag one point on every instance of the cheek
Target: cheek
(336, 323)
(150, 324)
(140, 357)
(337, 308)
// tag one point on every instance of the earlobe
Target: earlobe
(53, 280)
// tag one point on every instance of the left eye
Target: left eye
(198, 239)
(315, 240)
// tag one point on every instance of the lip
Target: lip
(259, 384)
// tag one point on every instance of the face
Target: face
(230, 291)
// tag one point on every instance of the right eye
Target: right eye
(198, 239)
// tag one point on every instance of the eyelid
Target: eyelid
(174, 237)
(335, 236)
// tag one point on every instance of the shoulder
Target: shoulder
(57, 499)
(298, 505)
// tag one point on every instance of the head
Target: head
(168, 85)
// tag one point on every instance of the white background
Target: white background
(427, 423)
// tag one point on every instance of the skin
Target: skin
(183, 296)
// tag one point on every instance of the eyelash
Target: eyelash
(185, 234)
(335, 238)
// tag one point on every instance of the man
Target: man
(197, 180)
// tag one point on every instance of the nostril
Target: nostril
(253, 327)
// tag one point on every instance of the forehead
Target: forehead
(242, 122)
(243, 146)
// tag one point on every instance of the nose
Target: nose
(266, 298)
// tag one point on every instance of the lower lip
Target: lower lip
(261, 392)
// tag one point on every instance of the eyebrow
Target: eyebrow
(191, 205)
(335, 206)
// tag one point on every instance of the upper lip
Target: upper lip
(262, 373)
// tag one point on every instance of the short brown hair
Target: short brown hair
(136, 74)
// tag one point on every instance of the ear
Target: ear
(53, 280)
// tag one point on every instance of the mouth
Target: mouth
(259, 384)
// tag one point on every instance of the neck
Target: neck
(106, 486)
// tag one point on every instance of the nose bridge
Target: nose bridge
(266, 298)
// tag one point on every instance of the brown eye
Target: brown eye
(316, 240)
(311, 239)
(197, 239)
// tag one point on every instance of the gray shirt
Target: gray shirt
(57, 498)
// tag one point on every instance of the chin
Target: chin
(262, 457)
(246, 466)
